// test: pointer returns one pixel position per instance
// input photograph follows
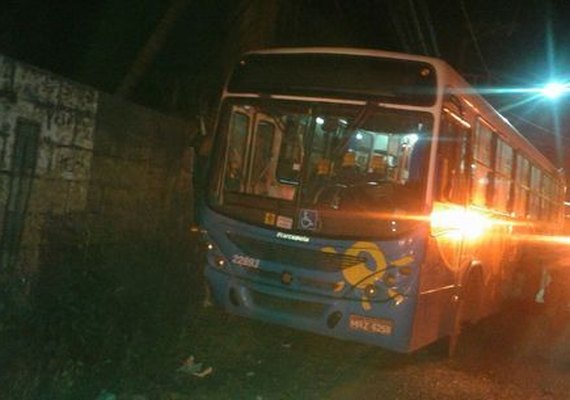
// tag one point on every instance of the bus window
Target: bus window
(483, 143)
(482, 173)
(453, 157)
(546, 198)
(337, 159)
(238, 131)
(534, 200)
(365, 165)
(503, 173)
(522, 177)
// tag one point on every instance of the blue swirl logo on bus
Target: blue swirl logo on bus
(367, 274)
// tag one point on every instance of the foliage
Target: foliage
(98, 316)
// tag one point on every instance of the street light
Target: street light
(554, 90)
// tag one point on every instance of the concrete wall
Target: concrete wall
(79, 167)
(141, 173)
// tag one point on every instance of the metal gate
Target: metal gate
(22, 173)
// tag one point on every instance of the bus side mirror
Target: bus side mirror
(202, 120)
(201, 141)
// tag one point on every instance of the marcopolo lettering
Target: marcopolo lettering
(290, 236)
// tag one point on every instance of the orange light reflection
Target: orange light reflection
(460, 223)
(546, 239)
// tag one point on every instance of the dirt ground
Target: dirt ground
(504, 357)
(139, 331)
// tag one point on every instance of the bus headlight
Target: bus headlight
(214, 257)
(219, 261)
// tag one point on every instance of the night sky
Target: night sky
(497, 44)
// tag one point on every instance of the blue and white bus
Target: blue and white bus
(367, 195)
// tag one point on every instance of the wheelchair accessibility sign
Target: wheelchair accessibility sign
(308, 219)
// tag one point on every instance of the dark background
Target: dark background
(494, 44)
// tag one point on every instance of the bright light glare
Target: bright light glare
(459, 223)
(411, 139)
(554, 90)
(320, 121)
(554, 240)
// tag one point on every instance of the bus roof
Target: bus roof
(349, 51)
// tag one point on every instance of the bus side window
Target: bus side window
(454, 161)
(503, 176)
(482, 187)
(534, 197)
(522, 188)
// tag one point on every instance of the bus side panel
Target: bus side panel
(493, 258)
(434, 309)
(482, 268)
(434, 317)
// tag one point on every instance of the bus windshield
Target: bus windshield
(352, 169)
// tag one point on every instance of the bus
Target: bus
(368, 195)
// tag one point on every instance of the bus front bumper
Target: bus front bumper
(385, 324)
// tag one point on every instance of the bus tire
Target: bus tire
(526, 285)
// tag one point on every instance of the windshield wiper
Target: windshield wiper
(355, 124)
(361, 117)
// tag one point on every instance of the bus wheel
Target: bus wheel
(524, 287)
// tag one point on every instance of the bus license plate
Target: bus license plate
(371, 325)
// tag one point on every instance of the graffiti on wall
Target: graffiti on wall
(47, 126)
(65, 110)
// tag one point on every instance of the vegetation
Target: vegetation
(99, 317)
